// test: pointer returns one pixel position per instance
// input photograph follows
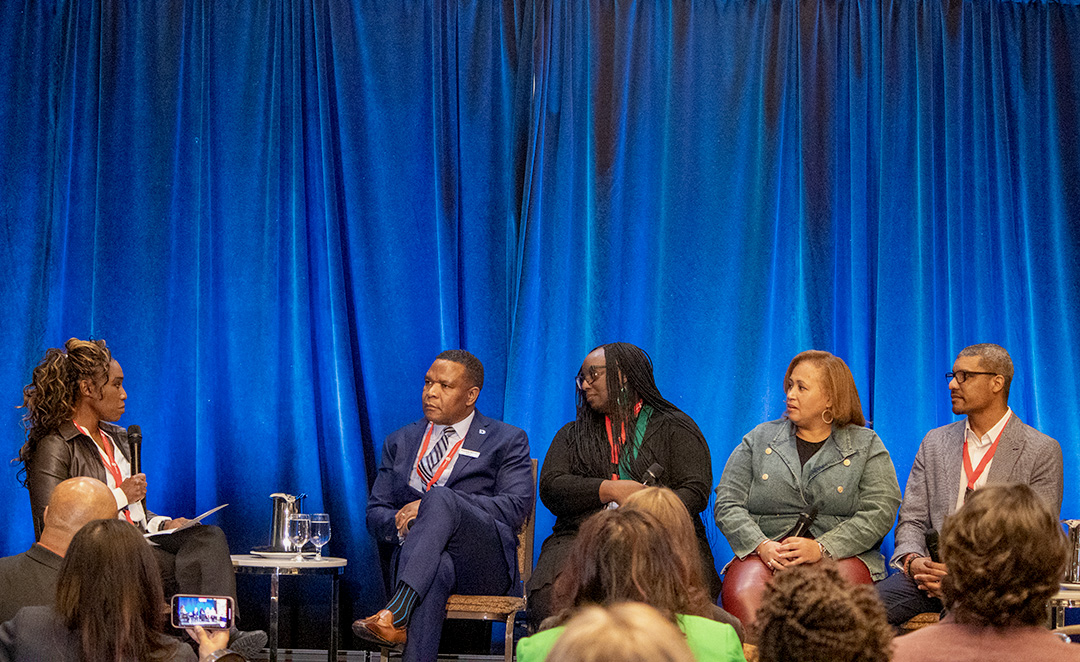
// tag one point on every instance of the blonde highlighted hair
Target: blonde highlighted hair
(624, 632)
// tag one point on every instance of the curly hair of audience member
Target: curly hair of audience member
(810, 613)
(1006, 555)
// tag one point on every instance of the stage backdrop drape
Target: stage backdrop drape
(277, 213)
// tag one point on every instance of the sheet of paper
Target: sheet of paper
(190, 523)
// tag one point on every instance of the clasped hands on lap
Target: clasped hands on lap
(792, 551)
(405, 517)
(927, 574)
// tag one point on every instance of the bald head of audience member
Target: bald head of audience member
(73, 504)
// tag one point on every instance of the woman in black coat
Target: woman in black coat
(624, 428)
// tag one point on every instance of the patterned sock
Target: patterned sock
(401, 605)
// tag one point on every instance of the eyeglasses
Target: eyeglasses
(594, 374)
(962, 375)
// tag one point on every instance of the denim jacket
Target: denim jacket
(851, 480)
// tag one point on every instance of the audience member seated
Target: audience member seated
(29, 578)
(666, 506)
(1006, 555)
(626, 555)
(627, 632)
(813, 614)
(109, 606)
(623, 428)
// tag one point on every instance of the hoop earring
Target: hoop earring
(831, 417)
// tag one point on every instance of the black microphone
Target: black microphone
(652, 475)
(931, 537)
(135, 444)
(802, 525)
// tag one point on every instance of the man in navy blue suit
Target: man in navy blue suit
(452, 491)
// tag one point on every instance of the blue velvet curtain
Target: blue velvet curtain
(277, 213)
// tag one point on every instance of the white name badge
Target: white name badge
(468, 453)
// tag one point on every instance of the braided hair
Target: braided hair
(810, 613)
(629, 378)
(53, 392)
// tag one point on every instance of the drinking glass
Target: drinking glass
(299, 532)
(320, 532)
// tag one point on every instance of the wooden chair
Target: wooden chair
(749, 651)
(497, 607)
(919, 621)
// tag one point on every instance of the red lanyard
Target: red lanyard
(442, 465)
(972, 477)
(615, 448)
(108, 459)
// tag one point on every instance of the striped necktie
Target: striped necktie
(435, 455)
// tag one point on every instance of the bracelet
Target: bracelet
(824, 552)
(911, 556)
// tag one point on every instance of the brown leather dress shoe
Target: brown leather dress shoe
(380, 629)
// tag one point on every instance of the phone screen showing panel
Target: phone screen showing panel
(205, 610)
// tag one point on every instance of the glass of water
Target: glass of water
(320, 532)
(299, 532)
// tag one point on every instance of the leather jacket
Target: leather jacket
(64, 454)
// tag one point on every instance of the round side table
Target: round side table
(248, 564)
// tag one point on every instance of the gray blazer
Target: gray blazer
(851, 480)
(1024, 455)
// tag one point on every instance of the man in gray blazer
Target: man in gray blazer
(991, 445)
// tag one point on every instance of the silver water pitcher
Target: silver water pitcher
(284, 506)
(1072, 526)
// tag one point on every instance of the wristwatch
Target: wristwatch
(824, 552)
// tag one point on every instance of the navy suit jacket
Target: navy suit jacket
(498, 480)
